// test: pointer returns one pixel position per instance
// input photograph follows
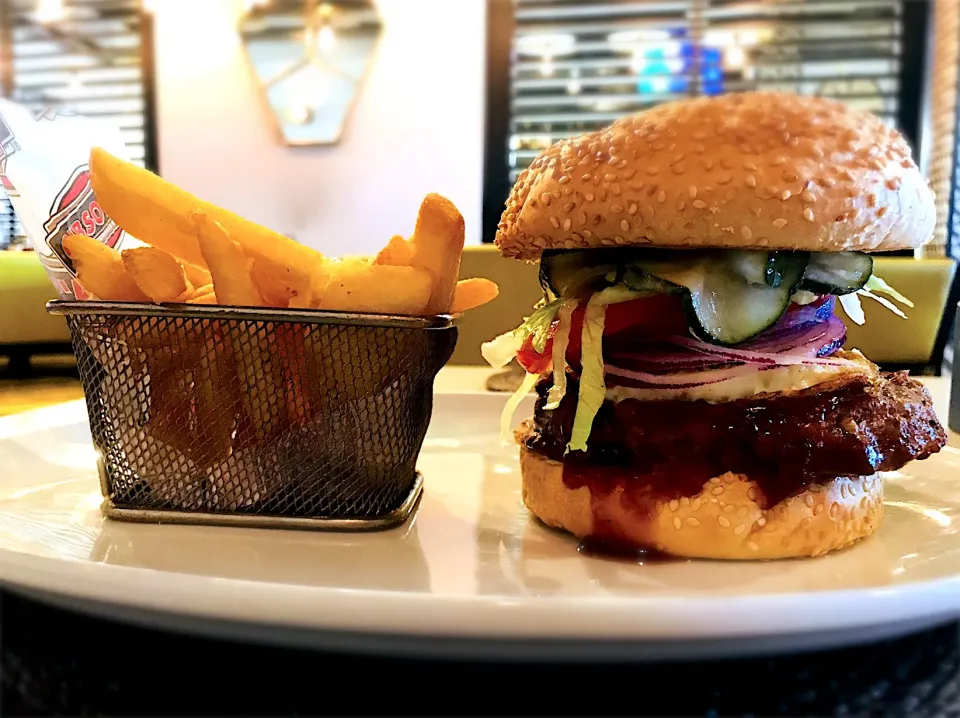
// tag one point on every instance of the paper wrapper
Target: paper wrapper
(44, 169)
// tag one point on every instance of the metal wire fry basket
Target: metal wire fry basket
(223, 415)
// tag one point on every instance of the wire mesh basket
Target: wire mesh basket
(223, 415)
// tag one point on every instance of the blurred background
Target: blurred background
(329, 121)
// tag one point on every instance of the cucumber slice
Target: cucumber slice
(725, 307)
(837, 273)
(571, 274)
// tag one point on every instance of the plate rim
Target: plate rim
(491, 616)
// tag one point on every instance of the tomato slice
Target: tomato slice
(646, 319)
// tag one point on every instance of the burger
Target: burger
(693, 394)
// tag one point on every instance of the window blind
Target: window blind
(578, 65)
(83, 56)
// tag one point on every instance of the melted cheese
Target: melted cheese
(783, 379)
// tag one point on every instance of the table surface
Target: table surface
(57, 662)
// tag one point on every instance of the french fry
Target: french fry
(437, 247)
(158, 212)
(158, 274)
(101, 271)
(278, 285)
(360, 286)
(218, 401)
(397, 253)
(471, 293)
(319, 283)
(197, 276)
(228, 264)
(204, 298)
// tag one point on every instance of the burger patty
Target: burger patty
(783, 442)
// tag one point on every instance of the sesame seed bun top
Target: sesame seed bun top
(744, 170)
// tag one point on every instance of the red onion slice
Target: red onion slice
(682, 380)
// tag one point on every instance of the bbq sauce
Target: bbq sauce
(623, 552)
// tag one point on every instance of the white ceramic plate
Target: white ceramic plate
(472, 574)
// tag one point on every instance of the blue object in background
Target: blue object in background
(663, 72)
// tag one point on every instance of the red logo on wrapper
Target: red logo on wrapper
(76, 211)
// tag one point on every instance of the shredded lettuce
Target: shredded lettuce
(500, 351)
(876, 284)
(854, 309)
(510, 408)
(593, 389)
(851, 305)
(884, 301)
(560, 342)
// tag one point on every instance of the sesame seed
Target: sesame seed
(752, 546)
(568, 207)
(632, 209)
(693, 192)
(725, 179)
(871, 200)
(567, 224)
(699, 204)
(777, 161)
(828, 182)
(808, 214)
(779, 223)
(662, 197)
(808, 500)
(745, 231)
(692, 522)
(589, 196)
(587, 233)
(723, 521)
(616, 190)
(882, 211)
(761, 522)
(678, 169)
(653, 170)
(677, 523)
(785, 195)
(789, 177)
(892, 184)
(616, 208)
(582, 217)
(624, 225)
(546, 198)
(726, 163)
(564, 180)
(586, 178)
(717, 491)
(708, 165)
(751, 181)
(576, 237)
(680, 205)
(555, 222)
(750, 166)
(807, 196)
(740, 530)
(674, 505)
(752, 494)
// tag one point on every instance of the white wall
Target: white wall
(416, 127)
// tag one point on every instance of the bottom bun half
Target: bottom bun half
(723, 521)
